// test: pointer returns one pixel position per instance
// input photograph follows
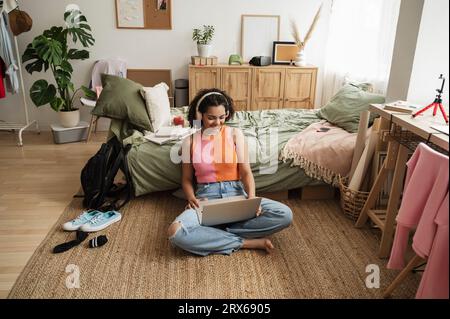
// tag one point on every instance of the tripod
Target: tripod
(436, 103)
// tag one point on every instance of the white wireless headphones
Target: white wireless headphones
(198, 115)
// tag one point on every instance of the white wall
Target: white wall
(432, 54)
(165, 49)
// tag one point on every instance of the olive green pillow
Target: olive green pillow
(345, 107)
(121, 99)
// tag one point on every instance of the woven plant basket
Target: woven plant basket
(352, 202)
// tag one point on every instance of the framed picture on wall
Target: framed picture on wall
(284, 52)
(144, 14)
(130, 14)
(257, 35)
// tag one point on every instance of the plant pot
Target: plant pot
(69, 118)
(300, 59)
(204, 50)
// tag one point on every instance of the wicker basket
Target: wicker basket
(352, 202)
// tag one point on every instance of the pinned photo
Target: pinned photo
(162, 4)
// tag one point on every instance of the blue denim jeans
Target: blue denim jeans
(205, 240)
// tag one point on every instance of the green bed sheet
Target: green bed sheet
(266, 133)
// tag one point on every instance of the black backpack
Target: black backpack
(97, 177)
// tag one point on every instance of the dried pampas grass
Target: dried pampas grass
(296, 34)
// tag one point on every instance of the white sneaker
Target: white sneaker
(76, 223)
(101, 221)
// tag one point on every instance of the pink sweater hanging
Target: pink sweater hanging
(425, 207)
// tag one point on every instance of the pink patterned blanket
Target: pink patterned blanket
(323, 151)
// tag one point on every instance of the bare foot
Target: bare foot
(259, 243)
(268, 246)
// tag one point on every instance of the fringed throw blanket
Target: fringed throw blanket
(322, 150)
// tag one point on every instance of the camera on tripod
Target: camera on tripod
(441, 77)
(437, 103)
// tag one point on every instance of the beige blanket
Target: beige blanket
(323, 154)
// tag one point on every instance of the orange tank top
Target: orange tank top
(214, 157)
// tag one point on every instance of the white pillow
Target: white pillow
(158, 105)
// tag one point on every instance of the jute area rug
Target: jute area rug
(321, 255)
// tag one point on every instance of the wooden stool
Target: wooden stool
(92, 124)
(94, 118)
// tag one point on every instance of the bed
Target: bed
(266, 132)
(285, 150)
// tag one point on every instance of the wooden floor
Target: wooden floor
(37, 181)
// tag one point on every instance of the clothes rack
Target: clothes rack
(19, 127)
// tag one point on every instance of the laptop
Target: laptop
(227, 210)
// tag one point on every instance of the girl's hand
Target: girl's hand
(192, 203)
(258, 211)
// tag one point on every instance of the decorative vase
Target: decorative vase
(69, 118)
(204, 50)
(300, 59)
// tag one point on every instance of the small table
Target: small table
(397, 156)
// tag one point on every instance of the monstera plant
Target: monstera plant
(51, 50)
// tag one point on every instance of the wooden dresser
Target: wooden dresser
(256, 88)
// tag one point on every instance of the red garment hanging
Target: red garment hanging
(2, 85)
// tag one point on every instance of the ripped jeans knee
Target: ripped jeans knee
(173, 229)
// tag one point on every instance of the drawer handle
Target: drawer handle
(299, 100)
(268, 99)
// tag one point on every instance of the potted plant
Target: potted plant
(203, 38)
(50, 50)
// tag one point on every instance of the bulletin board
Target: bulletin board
(151, 77)
(284, 52)
(144, 14)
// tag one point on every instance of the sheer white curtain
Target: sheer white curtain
(360, 44)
